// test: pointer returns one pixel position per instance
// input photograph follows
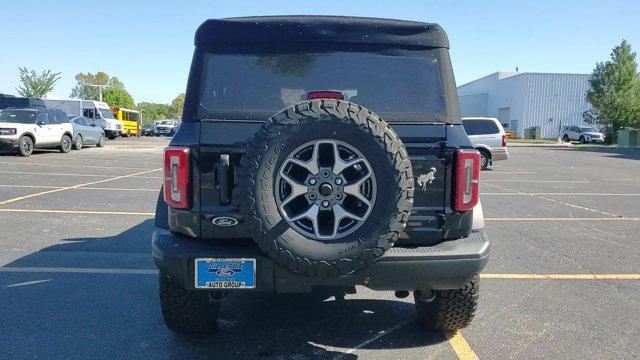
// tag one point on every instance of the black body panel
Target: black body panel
(309, 29)
(448, 265)
(227, 140)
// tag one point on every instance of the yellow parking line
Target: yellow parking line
(117, 189)
(563, 276)
(620, 218)
(79, 212)
(461, 346)
(74, 187)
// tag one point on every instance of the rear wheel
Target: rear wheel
(100, 142)
(485, 159)
(77, 144)
(187, 311)
(25, 146)
(65, 144)
(565, 138)
(448, 310)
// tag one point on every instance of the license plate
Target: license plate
(225, 273)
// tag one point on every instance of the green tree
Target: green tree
(83, 90)
(154, 111)
(177, 105)
(36, 85)
(614, 92)
(117, 97)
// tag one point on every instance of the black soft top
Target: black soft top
(336, 29)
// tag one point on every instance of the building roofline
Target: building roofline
(478, 79)
(519, 74)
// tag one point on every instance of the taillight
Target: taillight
(467, 179)
(325, 95)
(176, 177)
(504, 140)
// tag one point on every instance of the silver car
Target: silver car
(86, 132)
(488, 137)
(583, 134)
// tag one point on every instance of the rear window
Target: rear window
(480, 127)
(19, 116)
(253, 86)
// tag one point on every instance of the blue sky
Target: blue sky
(148, 45)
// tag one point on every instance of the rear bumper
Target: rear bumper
(447, 265)
(499, 154)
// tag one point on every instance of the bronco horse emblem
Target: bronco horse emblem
(427, 178)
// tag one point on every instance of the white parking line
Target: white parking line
(54, 174)
(82, 188)
(509, 172)
(26, 283)
(379, 335)
(15, 269)
(557, 201)
(557, 193)
(535, 181)
(75, 186)
(78, 166)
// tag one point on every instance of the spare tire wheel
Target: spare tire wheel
(327, 186)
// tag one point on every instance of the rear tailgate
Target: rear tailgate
(222, 144)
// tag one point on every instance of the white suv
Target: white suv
(583, 134)
(488, 137)
(27, 129)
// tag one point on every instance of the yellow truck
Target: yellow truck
(131, 120)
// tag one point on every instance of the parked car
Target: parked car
(307, 181)
(583, 134)
(147, 130)
(26, 129)
(86, 132)
(488, 136)
(166, 128)
(98, 111)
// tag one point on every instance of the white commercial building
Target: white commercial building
(523, 100)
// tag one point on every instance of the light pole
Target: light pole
(99, 89)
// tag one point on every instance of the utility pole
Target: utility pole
(99, 89)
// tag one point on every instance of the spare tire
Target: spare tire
(327, 186)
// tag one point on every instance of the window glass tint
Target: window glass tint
(58, 117)
(106, 114)
(43, 118)
(19, 116)
(480, 127)
(250, 86)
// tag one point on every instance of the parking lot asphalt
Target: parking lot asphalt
(77, 279)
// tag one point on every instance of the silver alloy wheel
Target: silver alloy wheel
(79, 142)
(325, 189)
(483, 160)
(26, 145)
(66, 143)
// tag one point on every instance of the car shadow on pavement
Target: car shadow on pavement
(617, 152)
(79, 314)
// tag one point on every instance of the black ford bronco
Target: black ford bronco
(320, 153)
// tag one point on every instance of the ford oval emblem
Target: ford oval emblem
(225, 221)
